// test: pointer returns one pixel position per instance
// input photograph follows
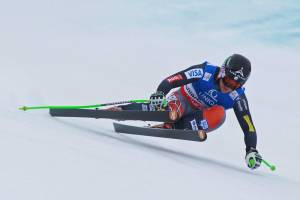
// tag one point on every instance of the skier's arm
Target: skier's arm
(242, 112)
(184, 77)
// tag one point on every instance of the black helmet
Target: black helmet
(237, 68)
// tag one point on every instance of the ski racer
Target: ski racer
(206, 92)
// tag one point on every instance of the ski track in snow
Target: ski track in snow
(73, 52)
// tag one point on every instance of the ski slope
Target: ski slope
(73, 52)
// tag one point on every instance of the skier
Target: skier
(206, 92)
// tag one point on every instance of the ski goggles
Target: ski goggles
(232, 84)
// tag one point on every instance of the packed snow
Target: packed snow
(88, 52)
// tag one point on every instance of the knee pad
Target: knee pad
(215, 116)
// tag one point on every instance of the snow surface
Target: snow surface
(85, 52)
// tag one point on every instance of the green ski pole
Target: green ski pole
(272, 167)
(25, 108)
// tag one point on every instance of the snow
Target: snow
(73, 52)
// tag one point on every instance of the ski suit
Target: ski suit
(201, 104)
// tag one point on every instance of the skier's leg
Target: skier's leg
(215, 117)
(208, 120)
(178, 107)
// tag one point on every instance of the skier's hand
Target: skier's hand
(253, 158)
(158, 100)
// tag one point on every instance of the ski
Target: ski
(158, 116)
(157, 132)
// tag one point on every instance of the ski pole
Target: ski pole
(24, 108)
(272, 167)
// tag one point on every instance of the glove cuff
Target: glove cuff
(251, 149)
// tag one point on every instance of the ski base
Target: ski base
(157, 132)
(157, 116)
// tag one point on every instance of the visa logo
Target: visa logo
(194, 73)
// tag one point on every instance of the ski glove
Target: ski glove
(253, 158)
(158, 101)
